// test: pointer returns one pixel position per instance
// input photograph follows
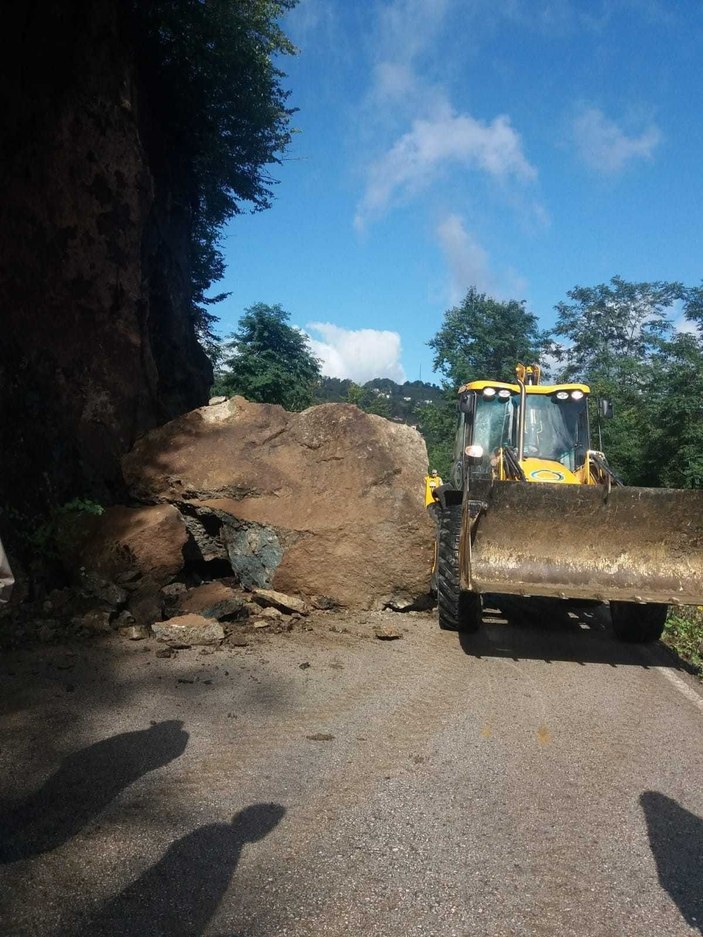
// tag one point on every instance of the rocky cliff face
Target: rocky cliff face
(97, 345)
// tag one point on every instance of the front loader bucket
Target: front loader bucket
(579, 541)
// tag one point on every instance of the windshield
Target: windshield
(554, 429)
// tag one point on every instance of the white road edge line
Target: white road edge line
(681, 685)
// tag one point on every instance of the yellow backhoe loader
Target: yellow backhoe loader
(534, 510)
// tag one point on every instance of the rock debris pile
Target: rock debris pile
(244, 512)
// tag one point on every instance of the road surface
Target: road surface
(540, 779)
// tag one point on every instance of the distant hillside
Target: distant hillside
(398, 402)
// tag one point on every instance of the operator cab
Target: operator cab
(546, 439)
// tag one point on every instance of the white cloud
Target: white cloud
(467, 260)
(605, 146)
(470, 264)
(416, 159)
(308, 19)
(358, 354)
(684, 326)
(406, 28)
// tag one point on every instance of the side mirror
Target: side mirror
(605, 409)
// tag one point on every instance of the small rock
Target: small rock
(189, 631)
(133, 632)
(213, 600)
(128, 577)
(104, 590)
(323, 602)
(213, 401)
(270, 614)
(237, 640)
(387, 633)
(166, 652)
(320, 737)
(287, 603)
(262, 624)
(124, 620)
(173, 590)
(59, 598)
(305, 665)
(97, 620)
(146, 607)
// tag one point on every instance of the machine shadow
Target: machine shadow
(676, 840)
(179, 895)
(83, 785)
(551, 629)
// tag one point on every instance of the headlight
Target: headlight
(489, 391)
(474, 452)
(576, 394)
(562, 395)
(504, 393)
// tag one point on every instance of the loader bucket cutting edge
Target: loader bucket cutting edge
(577, 541)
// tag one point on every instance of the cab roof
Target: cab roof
(529, 388)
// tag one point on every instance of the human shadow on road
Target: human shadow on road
(84, 784)
(676, 840)
(551, 629)
(179, 895)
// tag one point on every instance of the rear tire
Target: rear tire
(457, 610)
(638, 624)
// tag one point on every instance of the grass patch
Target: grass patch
(684, 634)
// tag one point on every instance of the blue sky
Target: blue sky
(519, 146)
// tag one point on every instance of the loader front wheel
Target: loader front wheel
(457, 610)
(638, 624)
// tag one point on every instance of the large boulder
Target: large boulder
(329, 501)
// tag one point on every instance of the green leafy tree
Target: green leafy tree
(211, 79)
(332, 390)
(619, 338)
(675, 411)
(360, 396)
(480, 338)
(437, 424)
(485, 338)
(269, 361)
(380, 406)
(613, 323)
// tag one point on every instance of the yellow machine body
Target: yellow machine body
(556, 521)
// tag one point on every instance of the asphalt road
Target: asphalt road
(540, 779)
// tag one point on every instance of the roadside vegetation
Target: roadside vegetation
(684, 634)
